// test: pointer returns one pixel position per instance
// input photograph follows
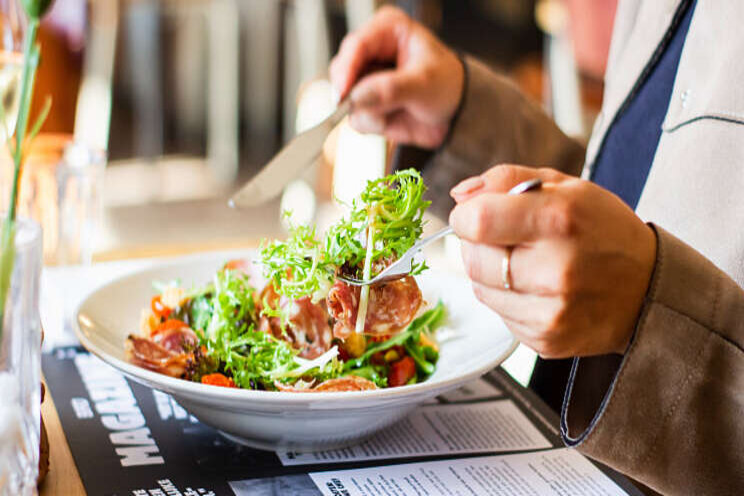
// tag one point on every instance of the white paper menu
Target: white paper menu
(434, 430)
(478, 389)
(553, 472)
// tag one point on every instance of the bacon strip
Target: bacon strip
(392, 306)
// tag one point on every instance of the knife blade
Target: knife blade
(288, 164)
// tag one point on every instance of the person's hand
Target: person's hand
(580, 265)
(414, 102)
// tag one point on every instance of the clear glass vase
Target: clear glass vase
(20, 366)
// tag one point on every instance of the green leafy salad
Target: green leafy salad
(305, 330)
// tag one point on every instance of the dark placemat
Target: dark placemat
(126, 438)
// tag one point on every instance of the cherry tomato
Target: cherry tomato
(160, 310)
(218, 380)
(401, 372)
(239, 265)
(168, 325)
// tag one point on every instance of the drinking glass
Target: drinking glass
(20, 366)
(61, 189)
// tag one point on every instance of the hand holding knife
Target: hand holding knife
(296, 156)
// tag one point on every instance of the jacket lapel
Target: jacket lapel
(640, 28)
(709, 77)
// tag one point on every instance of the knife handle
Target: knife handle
(371, 67)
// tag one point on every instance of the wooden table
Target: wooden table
(63, 478)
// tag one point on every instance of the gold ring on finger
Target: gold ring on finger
(506, 268)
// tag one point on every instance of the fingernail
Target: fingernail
(470, 185)
(368, 123)
(363, 96)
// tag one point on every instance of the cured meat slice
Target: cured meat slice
(348, 383)
(153, 356)
(177, 340)
(308, 331)
(392, 306)
(341, 384)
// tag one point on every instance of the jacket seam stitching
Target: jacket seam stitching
(658, 274)
(673, 408)
(610, 399)
(713, 329)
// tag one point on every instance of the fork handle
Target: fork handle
(430, 239)
(520, 188)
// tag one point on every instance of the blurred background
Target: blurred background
(163, 108)
(188, 98)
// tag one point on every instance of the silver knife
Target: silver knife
(288, 164)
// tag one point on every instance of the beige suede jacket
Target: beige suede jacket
(670, 412)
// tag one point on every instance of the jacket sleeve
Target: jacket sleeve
(671, 410)
(496, 123)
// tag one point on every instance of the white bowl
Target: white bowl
(296, 421)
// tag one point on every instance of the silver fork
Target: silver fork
(403, 266)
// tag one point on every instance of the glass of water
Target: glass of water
(61, 189)
(20, 366)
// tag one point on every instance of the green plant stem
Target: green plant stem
(6, 266)
(7, 249)
(30, 57)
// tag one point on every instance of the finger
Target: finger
(484, 264)
(378, 40)
(385, 91)
(399, 127)
(531, 311)
(542, 345)
(500, 179)
(521, 331)
(506, 220)
(367, 122)
(402, 127)
(540, 269)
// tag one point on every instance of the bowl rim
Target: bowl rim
(161, 381)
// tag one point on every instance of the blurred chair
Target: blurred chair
(223, 137)
(93, 108)
(206, 30)
(142, 37)
(307, 52)
(261, 22)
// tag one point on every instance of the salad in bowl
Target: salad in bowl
(276, 352)
(304, 330)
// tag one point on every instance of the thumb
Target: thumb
(385, 91)
(502, 178)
